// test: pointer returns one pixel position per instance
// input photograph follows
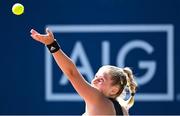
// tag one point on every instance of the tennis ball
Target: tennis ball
(18, 9)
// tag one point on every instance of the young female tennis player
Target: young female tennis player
(102, 96)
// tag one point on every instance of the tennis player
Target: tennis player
(103, 95)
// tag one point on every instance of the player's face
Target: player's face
(102, 81)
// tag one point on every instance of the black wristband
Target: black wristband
(53, 47)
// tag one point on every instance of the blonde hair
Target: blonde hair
(125, 78)
(132, 85)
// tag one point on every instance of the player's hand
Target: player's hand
(46, 39)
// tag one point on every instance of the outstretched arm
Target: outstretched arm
(84, 89)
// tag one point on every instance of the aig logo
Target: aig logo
(146, 48)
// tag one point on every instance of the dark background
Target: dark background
(22, 79)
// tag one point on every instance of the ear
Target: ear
(114, 90)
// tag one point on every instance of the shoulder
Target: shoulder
(103, 106)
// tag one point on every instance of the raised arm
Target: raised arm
(84, 89)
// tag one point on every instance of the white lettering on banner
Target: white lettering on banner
(105, 53)
(150, 65)
(86, 69)
(79, 52)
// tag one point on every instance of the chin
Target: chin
(94, 85)
(97, 87)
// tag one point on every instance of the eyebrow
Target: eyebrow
(105, 76)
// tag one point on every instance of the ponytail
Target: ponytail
(132, 86)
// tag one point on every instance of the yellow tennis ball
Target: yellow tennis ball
(18, 9)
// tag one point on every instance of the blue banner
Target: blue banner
(142, 35)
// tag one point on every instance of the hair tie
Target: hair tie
(132, 94)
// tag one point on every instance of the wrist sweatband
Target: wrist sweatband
(53, 47)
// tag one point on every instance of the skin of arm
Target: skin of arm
(84, 89)
(96, 102)
(93, 98)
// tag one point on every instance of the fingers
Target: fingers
(33, 31)
(43, 38)
(49, 32)
(35, 36)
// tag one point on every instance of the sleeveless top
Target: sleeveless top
(117, 107)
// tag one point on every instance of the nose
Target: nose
(99, 79)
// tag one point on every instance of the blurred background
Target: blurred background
(141, 34)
